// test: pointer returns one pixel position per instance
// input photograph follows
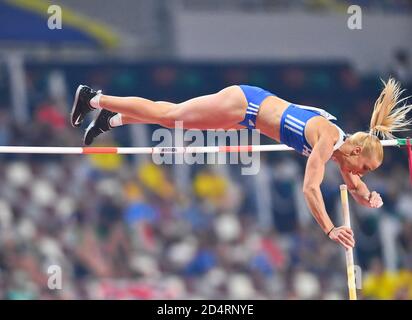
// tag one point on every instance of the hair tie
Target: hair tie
(330, 231)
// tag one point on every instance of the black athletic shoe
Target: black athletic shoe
(81, 105)
(98, 126)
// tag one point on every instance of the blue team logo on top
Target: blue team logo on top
(306, 151)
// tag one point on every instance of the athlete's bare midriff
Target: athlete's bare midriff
(269, 116)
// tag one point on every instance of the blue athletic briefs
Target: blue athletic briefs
(254, 97)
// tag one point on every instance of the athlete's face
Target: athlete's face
(358, 164)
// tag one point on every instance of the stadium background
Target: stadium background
(121, 227)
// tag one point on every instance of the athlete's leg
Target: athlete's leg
(220, 110)
(125, 120)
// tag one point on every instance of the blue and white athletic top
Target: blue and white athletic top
(293, 124)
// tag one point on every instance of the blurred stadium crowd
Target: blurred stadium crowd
(123, 228)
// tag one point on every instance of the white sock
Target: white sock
(116, 121)
(95, 101)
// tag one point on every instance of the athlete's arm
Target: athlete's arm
(315, 169)
(360, 192)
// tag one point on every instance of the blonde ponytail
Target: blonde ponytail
(387, 117)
